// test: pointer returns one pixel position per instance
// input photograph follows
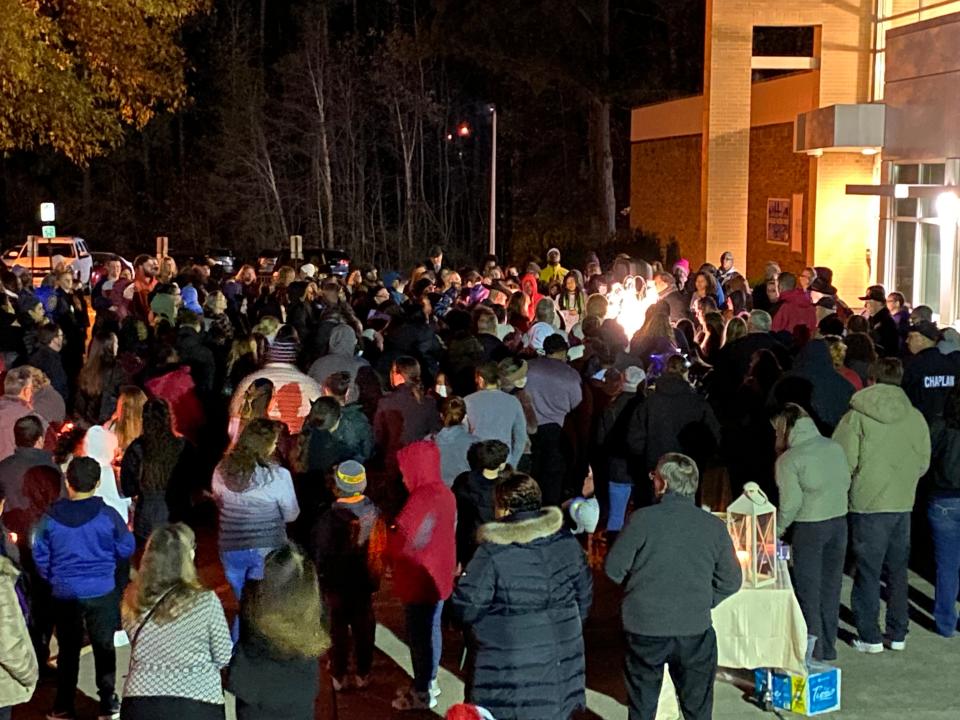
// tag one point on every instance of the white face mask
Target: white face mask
(442, 390)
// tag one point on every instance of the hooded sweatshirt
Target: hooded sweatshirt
(887, 443)
(423, 544)
(528, 283)
(812, 476)
(77, 545)
(101, 445)
(342, 357)
(795, 309)
(831, 391)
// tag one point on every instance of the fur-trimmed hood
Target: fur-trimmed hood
(522, 530)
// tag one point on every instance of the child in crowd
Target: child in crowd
(78, 544)
(347, 545)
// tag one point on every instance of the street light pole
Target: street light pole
(492, 248)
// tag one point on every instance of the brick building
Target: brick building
(849, 159)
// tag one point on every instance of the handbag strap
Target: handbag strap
(146, 618)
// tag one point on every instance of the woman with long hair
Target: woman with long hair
(168, 270)
(572, 297)
(712, 339)
(274, 672)
(154, 469)
(179, 635)
(242, 360)
(813, 478)
(704, 285)
(100, 380)
(256, 500)
(126, 422)
(655, 337)
(518, 312)
(735, 329)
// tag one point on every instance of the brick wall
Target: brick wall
(665, 191)
(775, 172)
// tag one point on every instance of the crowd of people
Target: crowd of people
(460, 432)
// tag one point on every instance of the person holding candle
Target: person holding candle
(813, 479)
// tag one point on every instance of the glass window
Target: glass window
(930, 270)
(932, 174)
(908, 174)
(903, 269)
(907, 207)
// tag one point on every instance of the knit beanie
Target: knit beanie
(351, 478)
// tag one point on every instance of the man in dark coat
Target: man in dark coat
(831, 391)
(525, 595)
(674, 418)
(194, 353)
(47, 358)
(670, 297)
(676, 563)
(883, 328)
(928, 376)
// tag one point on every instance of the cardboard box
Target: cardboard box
(814, 693)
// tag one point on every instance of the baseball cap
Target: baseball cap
(928, 329)
(875, 293)
(827, 302)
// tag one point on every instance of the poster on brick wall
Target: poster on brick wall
(778, 221)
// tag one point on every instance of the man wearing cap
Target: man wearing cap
(554, 272)
(883, 329)
(434, 261)
(928, 375)
(344, 545)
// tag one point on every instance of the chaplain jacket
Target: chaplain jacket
(927, 380)
(676, 563)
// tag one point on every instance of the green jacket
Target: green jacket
(812, 476)
(887, 443)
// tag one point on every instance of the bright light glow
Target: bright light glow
(870, 151)
(948, 208)
(47, 212)
(901, 191)
(630, 310)
(463, 130)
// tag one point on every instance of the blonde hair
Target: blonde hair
(216, 302)
(239, 348)
(267, 326)
(252, 450)
(167, 576)
(284, 607)
(736, 328)
(838, 351)
(127, 420)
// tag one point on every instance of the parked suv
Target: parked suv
(73, 250)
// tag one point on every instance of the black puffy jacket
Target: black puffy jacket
(525, 596)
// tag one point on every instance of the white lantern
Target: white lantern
(752, 524)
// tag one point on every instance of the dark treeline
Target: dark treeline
(332, 120)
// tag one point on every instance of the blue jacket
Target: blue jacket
(77, 545)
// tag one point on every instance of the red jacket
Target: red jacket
(528, 283)
(795, 309)
(422, 545)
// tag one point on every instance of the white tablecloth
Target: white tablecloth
(755, 628)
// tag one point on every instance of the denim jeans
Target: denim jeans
(619, 500)
(944, 516)
(425, 641)
(240, 566)
(881, 541)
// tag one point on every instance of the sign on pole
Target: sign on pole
(163, 247)
(49, 231)
(48, 212)
(296, 247)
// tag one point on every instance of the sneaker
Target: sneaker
(412, 700)
(868, 648)
(60, 715)
(435, 690)
(361, 681)
(341, 684)
(898, 645)
(111, 710)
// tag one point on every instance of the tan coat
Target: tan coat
(18, 663)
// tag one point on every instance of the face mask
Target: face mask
(442, 390)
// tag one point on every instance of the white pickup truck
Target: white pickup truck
(73, 250)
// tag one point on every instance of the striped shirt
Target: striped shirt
(258, 516)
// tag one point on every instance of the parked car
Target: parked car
(73, 250)
(99, 269)
(327, 261)
(222, 257)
